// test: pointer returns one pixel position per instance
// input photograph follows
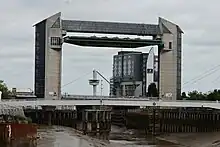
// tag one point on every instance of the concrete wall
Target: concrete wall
(53, 60)
(40, 37)
(170, 69)
(48, 81)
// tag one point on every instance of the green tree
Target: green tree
(184, 96)
(214, 95)
(4, 89)
(152, 90)
(209, 96)
(196, 95)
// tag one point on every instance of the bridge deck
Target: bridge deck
(114, 102)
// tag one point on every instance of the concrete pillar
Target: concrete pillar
(170, 60)
(47, 111)
(48, 53)
(94, 82)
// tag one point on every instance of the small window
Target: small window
(55, 41)
(170, 45)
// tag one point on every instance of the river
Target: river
(67, 137)
(56, 136)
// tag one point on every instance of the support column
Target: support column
(170, 60)
(48, 57)
(48, 110)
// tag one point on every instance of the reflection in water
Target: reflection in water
(56, 136)
(67, 137)
(15, 143)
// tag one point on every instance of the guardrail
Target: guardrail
(104, 98)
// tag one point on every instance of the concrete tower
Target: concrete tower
(94, 82)
(170, 60)
(48, 54)
(150, 68)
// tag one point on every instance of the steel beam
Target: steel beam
(110, 27)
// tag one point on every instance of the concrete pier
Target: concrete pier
(96, 123)
(53, 116)
(191, 120)
(118, 117)
(48, 111)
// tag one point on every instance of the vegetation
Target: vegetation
(4, 89)
(196, 95)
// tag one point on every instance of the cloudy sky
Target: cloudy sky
(198, 19)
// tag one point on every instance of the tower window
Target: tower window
(55, 41)
(170, 45)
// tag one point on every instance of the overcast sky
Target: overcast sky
(198, 19)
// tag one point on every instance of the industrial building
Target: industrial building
(133, 72)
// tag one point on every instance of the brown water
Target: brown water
(56, 136)
(67, 137)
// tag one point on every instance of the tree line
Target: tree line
(4, 89)
(193, 95)
(197, 95)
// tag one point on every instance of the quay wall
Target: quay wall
(94, 122)
(156, 120)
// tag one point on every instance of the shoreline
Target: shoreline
(211, 139)
(123, 137)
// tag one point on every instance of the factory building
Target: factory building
(133, 72)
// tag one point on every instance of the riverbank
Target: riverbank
(56, 136)
(174, 139)
(193, 139)
(137, 137)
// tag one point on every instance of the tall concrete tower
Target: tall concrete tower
(170, 60)
(150, 68)
(48, 56)
(94, 82)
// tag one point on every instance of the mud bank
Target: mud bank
(137, 137)
(193, 139)
(56, 136)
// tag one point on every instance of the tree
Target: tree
(209, 96)
(183, 95)
(4, 89)
(214, 95)
(196, 95)
(152, 90)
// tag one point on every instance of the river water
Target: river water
(67, 137)
(56, 136)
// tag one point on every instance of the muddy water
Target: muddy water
(66, 137)
(55, 136)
